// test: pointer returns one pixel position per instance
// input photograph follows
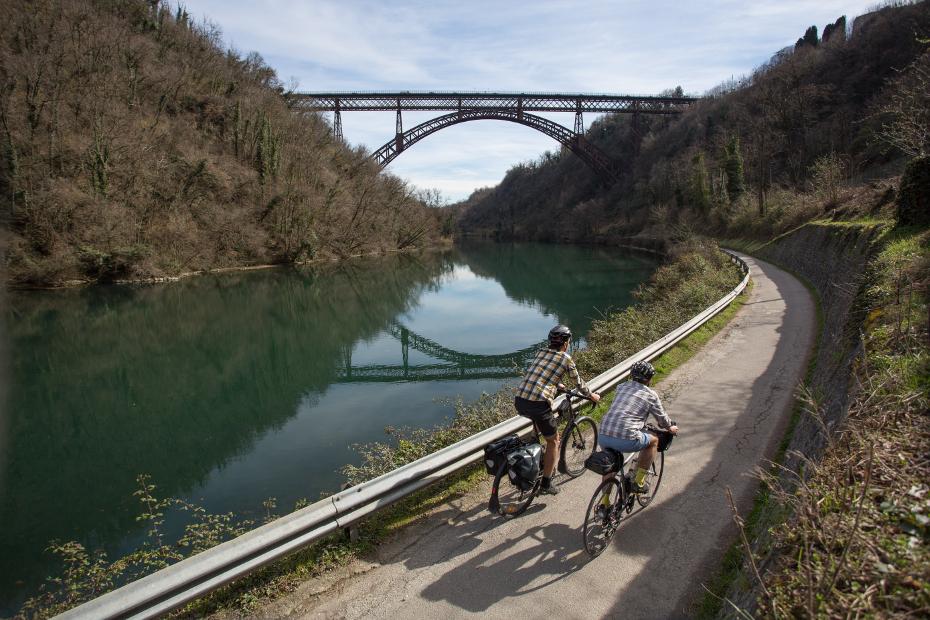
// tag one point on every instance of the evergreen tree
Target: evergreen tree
(733, 166)
(237, 127)
(700, 186)
(267, 152)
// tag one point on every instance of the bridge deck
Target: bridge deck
(449, 101)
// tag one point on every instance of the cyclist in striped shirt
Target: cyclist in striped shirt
(621, 429)
(539, 388)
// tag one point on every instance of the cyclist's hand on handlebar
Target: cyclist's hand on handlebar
(673, 429)
(595, 396)
(561, 387)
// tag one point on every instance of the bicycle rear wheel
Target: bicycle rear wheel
(579, 442)
(600, 522)
(507, 499)
(653, 477)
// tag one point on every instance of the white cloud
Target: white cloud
(629, 47)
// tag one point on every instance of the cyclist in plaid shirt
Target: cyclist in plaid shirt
(539, 388)
(622, 428)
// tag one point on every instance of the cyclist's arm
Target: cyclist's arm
(658, 412)
(582, 386)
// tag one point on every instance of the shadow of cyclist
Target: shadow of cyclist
(454, 532)
(517, 566)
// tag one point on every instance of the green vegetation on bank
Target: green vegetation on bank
(135, 146)
(695, 270)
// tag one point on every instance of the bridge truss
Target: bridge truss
(511, 107)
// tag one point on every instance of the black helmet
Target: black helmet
(559, 335)
(642, 372)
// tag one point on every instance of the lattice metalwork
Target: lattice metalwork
(519, 102)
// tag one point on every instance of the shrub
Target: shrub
(914, 197)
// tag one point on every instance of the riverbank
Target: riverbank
(443, 244)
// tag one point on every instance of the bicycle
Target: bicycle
(602, 520)
(510, 494)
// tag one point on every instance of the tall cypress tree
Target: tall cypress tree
(700, 187)
(733, 166)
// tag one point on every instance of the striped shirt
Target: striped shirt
(541, 380)
(633, 403)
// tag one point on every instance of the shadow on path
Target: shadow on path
(533, 560)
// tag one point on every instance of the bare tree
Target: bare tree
(906, 111)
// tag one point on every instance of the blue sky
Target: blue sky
(623, 47)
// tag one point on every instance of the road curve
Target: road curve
(732, 402)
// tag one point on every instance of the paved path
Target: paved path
(731, 401)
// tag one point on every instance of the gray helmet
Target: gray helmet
(642, 372)
(559, 335)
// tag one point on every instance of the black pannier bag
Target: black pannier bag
(525, 464)
(603, 462)
(495, 453)
(665, 438)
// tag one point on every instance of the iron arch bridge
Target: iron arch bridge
(456, 365)
(513, 107)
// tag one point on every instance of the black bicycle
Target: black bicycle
(508, 458)
(603, 518)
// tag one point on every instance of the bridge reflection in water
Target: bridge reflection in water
(457, 364)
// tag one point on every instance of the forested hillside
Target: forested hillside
(754, 156)
(134, 146)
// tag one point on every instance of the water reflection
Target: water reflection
(230, 389)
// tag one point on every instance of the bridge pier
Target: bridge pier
(337, 122)
(399, 134)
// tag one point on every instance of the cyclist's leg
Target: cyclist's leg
(648, 454)
(552, 454)
(551, 448)
(544, 422)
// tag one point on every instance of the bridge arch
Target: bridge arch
(587, 152)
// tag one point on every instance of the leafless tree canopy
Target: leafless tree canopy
(134, 145)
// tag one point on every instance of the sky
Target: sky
(620, 47)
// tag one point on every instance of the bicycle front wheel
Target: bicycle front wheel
(579, 442)
(602, 520)
(654, 478)
(511, 499)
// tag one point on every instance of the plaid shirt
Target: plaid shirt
(547, 370)
(633, 403)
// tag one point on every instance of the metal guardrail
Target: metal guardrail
(172, 587)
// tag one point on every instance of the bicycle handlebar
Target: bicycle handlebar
(573, 392)
(655, 429)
